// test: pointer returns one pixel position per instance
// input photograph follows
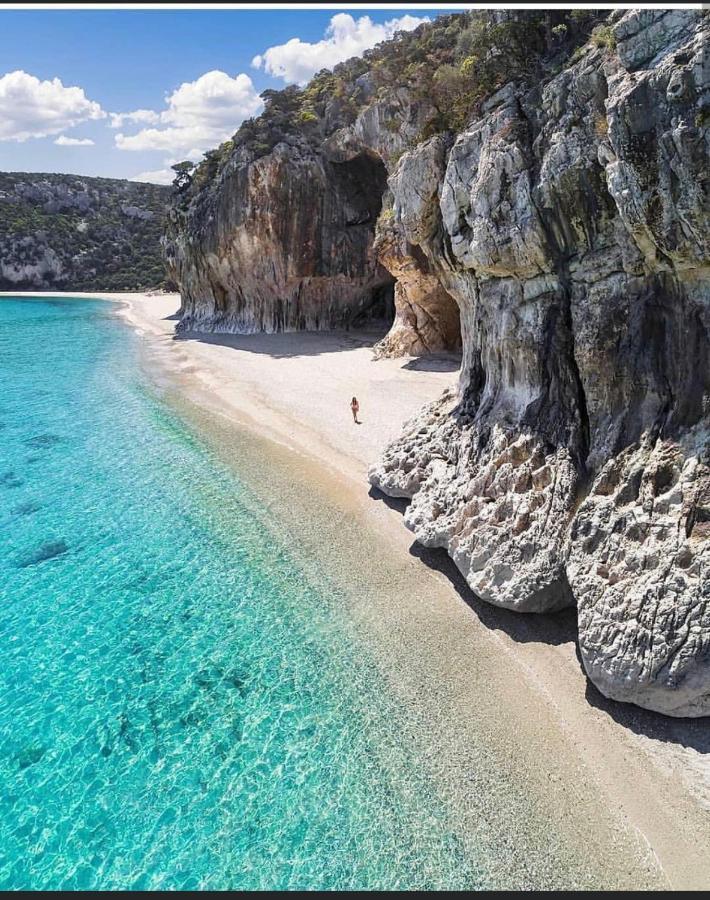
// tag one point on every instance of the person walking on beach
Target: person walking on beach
(355, 407)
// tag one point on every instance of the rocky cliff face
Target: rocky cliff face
(562, 236)
(70, 232)
(570, 223)
(277, 230)
(282, 243)
(426, 316)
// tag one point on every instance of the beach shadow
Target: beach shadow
(399, 504)
(693, 733)
(524, 628)
(175, 317)
(284, 345)
(556, 629)
(435, 362)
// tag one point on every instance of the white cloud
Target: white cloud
(157, 176)
(297, 60)
(200, 114)
(144, 116)
(30, 108)
(63, 141)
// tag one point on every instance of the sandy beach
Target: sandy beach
(626, 784)
(298, 387)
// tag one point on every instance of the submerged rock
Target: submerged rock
(41, 441)
(26, 508)
(11, 480)
(45, 551)
(28, 756)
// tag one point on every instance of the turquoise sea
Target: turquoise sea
(183, 705)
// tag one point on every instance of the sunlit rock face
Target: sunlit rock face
(290, 240)
(561, 241)
(283, 243)
(572, 467)
(426, 316)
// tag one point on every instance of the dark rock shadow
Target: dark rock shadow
(399, 504)
(524, 628)
(11, 480)
(435, 362)
(42, 441)
(26, 508)
(693, 733)
(175, 317)
(292, 343)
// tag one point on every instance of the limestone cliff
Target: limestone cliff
(276, 230)
(283, 242)
(549, 209)
(570, 223)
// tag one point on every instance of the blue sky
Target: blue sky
(120, 61)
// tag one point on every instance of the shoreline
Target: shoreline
(647, 778)
(306, 404)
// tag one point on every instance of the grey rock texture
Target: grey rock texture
(638, 559)
(427, 317)
(570, 224)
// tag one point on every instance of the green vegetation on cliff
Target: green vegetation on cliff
(70, 232)
(455, 62)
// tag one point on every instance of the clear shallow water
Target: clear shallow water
(182, 706)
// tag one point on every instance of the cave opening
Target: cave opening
(362, 182)
(405, 304)
(431, 310)
(426, 318)
(378, 311)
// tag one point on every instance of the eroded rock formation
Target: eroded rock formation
(573, 465)
(426, 316)
(562, 237)
(283, 243)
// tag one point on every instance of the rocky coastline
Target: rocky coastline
(560, 237)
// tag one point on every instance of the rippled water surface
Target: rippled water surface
(182, 706)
